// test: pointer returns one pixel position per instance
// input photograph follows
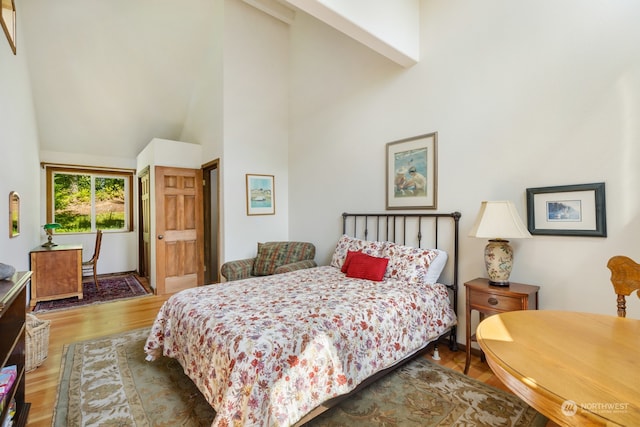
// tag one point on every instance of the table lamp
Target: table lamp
(498, 221)
(48, 228)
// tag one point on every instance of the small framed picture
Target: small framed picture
(14, 214)
(412, 173)
(260, 195)
(568, 210)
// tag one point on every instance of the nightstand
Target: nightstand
(488, 300)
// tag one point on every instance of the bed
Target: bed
(278, 350)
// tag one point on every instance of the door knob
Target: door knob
(160, 237)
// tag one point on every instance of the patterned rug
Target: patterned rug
(111, 288)
(106, 381)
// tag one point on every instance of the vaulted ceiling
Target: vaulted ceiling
(108, 76)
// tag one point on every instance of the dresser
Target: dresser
(57, 273)
(13, 307)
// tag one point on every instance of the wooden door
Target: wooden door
(179, 229)
(145, 223)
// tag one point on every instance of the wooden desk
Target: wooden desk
(575, 368)
(57, 273)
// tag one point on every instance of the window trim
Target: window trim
(52, 169)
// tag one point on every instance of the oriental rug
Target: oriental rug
(111, 288)
(107, 382)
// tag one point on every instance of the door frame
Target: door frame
(207, 168)
(144, 267)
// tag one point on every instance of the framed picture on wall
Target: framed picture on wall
(567, 210)
(8, 22)
(14, 214)
(260, 195)
(412, 175)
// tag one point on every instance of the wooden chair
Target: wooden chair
(625, 276)
(92, 264)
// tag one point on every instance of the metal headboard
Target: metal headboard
(422, 230)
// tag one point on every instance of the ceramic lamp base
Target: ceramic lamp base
(498, 259)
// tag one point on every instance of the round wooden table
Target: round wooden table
(574, 368)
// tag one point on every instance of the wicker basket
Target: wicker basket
(37, 345)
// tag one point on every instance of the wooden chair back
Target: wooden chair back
(91, 266)
(96, 251)
(625, 277)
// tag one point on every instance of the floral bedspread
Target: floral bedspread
(264, 352)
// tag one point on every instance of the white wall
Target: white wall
(256, 124)
(521, 95)
(165, 152)
(204, 120)
(250, 114)
(19, 147)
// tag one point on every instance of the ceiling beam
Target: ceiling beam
(321, 10)
(275, 9)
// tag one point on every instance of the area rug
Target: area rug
(111, 288)
(107, 381)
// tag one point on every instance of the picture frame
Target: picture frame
(260, 194)
(412, 173)
(8, 22)
(567, 210)
(14, 214)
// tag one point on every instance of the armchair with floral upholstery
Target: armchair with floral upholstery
(272, 258)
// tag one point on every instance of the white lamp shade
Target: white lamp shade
(499, 220)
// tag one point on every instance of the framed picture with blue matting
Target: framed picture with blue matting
(260, 195)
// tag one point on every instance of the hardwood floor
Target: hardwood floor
(104, 319)
(80, 324)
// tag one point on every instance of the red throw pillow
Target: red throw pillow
(363, 266)
(348, 259)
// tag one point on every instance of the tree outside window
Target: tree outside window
(84, 201)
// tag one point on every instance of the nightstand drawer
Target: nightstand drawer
(494, 302)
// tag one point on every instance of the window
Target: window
(83, 200)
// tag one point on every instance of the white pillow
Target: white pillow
(437, 265)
